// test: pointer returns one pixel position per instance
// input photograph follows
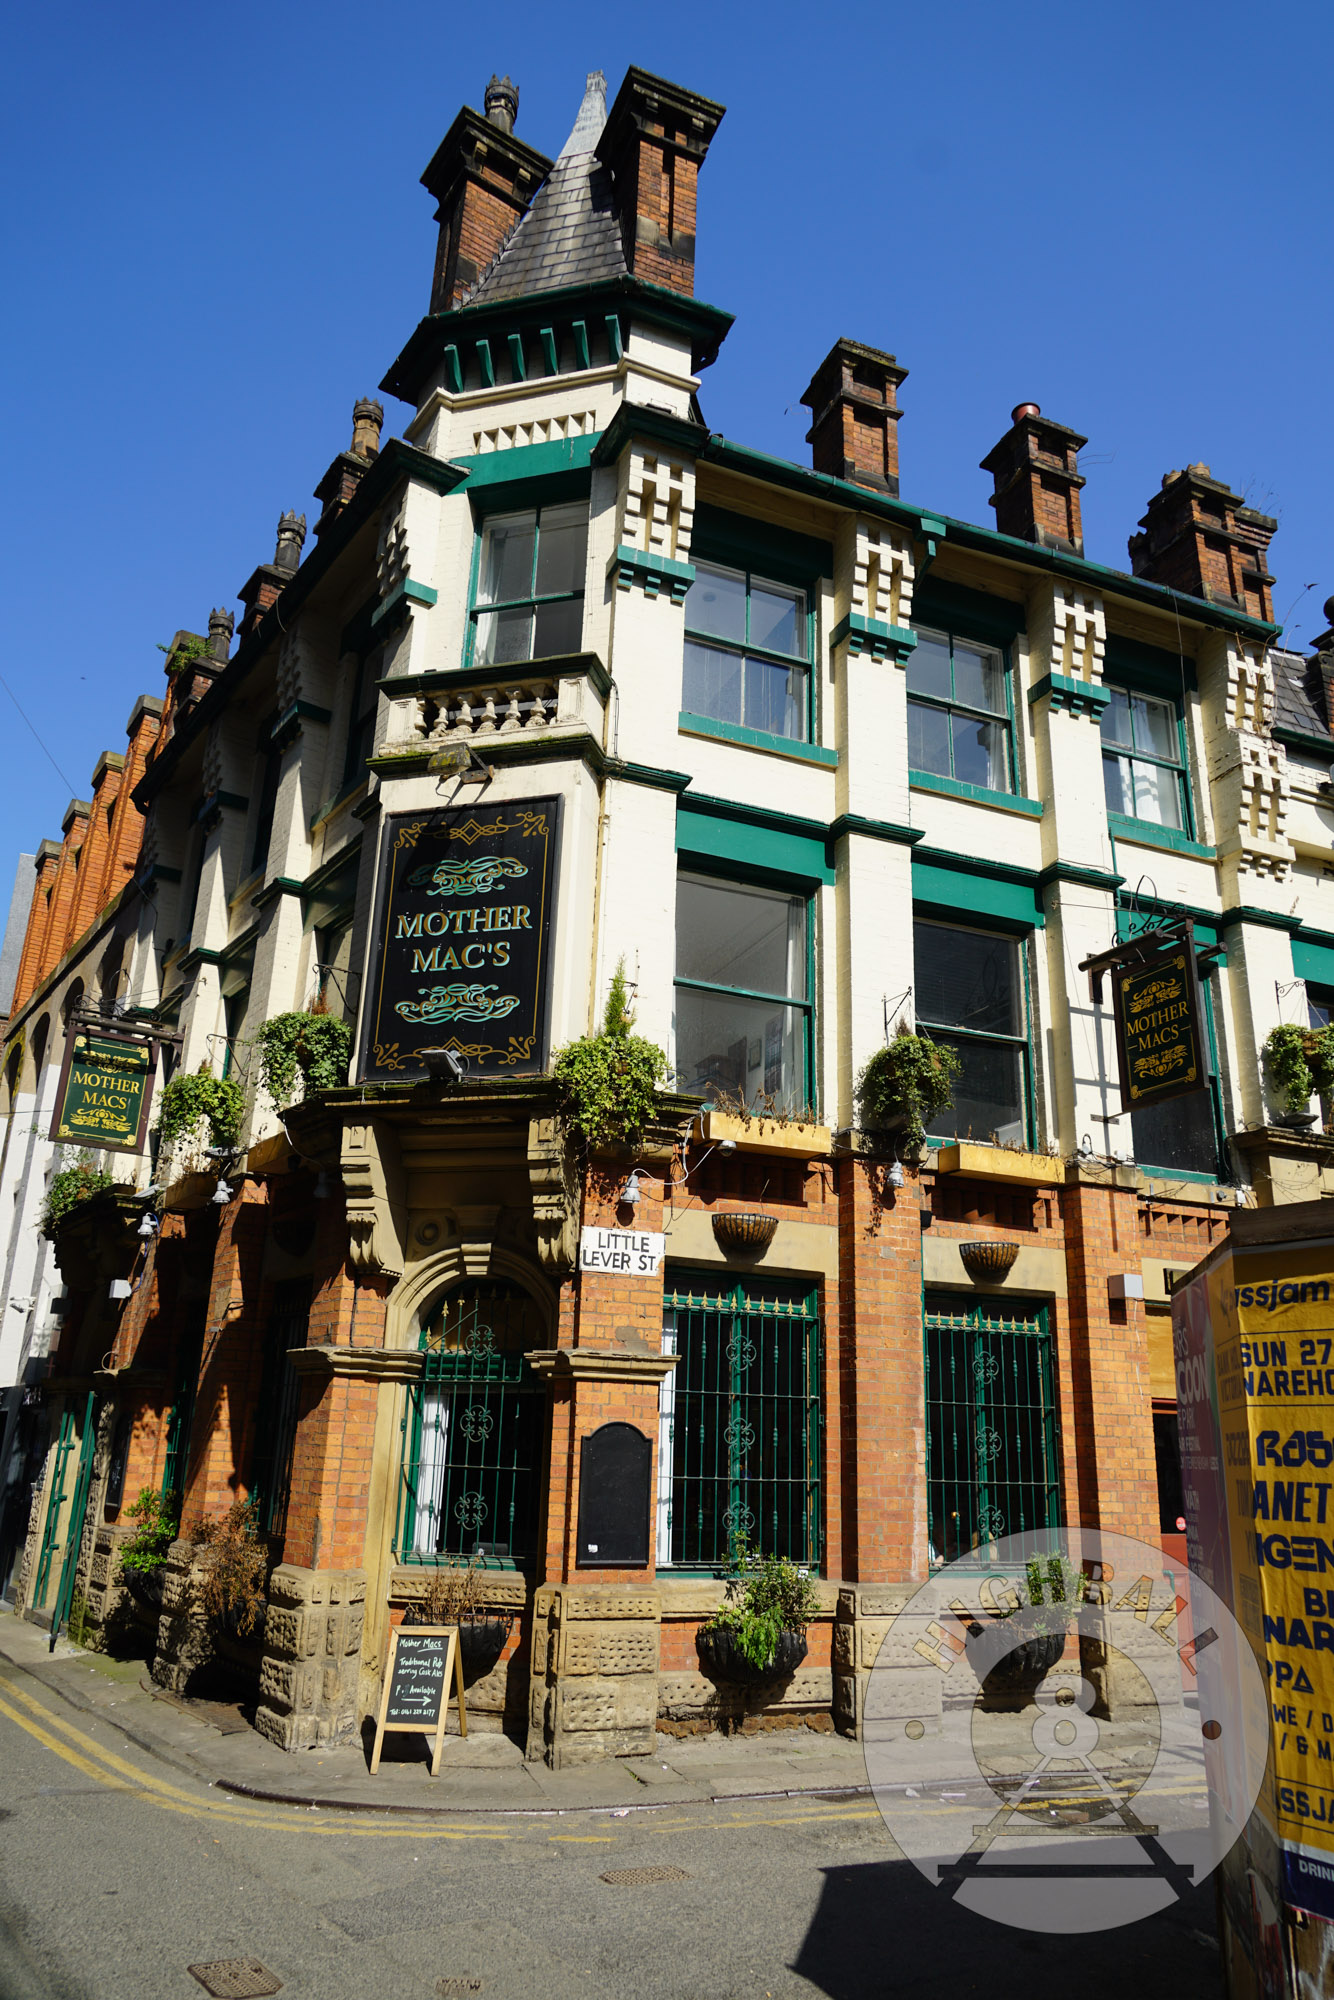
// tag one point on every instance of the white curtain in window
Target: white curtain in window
(431, 1472)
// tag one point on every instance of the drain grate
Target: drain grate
(236, 1979)
(458, 1987)
(632, 1878)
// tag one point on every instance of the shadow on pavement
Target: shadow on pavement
(879, 1928)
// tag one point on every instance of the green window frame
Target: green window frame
(528, 584)
(1144, 758)
(992, 1427)
(472, 1431)
(741, 1421)
(749, 641)
(964, 1003)
(745, 980)
(279, 1400)
(960, 709)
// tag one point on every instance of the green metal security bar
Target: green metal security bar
(742, 1421)
(991, 1431)
(472, 1432)
(279, 1397)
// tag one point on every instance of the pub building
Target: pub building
(564, 678)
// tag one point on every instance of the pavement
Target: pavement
(485, 1772)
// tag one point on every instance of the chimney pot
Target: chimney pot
(1024, 410)
(501, 103)
(291, 537)
(221, 625)
(367, 420)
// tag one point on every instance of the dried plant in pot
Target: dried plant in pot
(232, 1562)
(455, 1595)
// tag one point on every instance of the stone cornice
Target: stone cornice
(583, 1364)
(370, 1364)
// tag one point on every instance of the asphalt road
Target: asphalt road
(116, 1874)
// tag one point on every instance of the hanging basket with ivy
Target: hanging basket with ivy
(70, 1187)
(315, 1047)
(217, 1100)
(904, 1086)
(1300, 1063)
(611, 1079)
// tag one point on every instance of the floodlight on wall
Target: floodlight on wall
(726, 1146)
(148, 1227)
(895, 1174)
(629, 1195)
(222, 1194)
(444, 1065)
(119, 1288)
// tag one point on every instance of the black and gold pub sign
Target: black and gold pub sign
(1160, 1031)
(106, 1086)
(463, 936)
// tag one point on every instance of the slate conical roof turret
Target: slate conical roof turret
(570, 235)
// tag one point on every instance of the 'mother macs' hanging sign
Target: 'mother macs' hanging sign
(1159, 1027)
(462, 951)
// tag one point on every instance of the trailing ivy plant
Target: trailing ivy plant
(188, 1098)
(767, 1596)
(315, 1046)
(1300, 1062)
(71, 1186)
(611, 1079)
(905, 1085)
(156, 1529)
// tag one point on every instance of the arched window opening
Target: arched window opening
(472, 1439)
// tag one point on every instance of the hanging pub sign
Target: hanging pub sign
(1160, 1034)
(462, 954)
(106, 1086)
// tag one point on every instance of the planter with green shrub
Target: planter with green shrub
(758, 1635)
(313, 1046)
(904, 1086)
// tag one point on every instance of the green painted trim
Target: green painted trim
(969, 614)
(1076, 697)
(340, 798)
(287, 727)
(655, 575)
(1185, 1174)
(636, 420)
(749, 841)
(581, 351)
(955, 788)
(1145, 833)
(1313, 960)
(486, 364)
(550, 358)
(518, 365)
(958, 884)
(1304, 739)
(647, 775)
(1150, 669)
(555, 666)
(1086, 878)
(875, 829)
(528, 461)
(739, 541)
(871, 635)
(408, 591)
(574, 746)
(756, 739)
(281, 885)
(615, 345)
(1272, 920)
(453, 371)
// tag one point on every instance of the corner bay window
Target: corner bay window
(970, 997)
(1143, 772)
(743, 1014)
(472, 1431)
(959, 711)
(747, 652)
(530, 585)
(739, 1420)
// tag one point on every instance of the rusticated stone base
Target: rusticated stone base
(906, 1685)
(309, 1677)
(594, 1684)
(184, 1635)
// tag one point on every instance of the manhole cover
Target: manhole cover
(236, 1979)
(631, 1878)
(463, 1984)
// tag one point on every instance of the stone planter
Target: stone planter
(146, 1586)
(722, 1659)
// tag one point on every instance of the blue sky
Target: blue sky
(216, 242)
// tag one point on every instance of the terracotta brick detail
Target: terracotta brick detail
(1035, 468)
(854, 431)
(483, 179)
(655, 142)
(1197, 536)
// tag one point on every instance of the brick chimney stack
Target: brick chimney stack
(1200, 539)
(1035, 471)
(483, 179)
(350, 467)
(654, 143)
(854, 431)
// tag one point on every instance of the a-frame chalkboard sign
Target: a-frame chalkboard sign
(423, 1659)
